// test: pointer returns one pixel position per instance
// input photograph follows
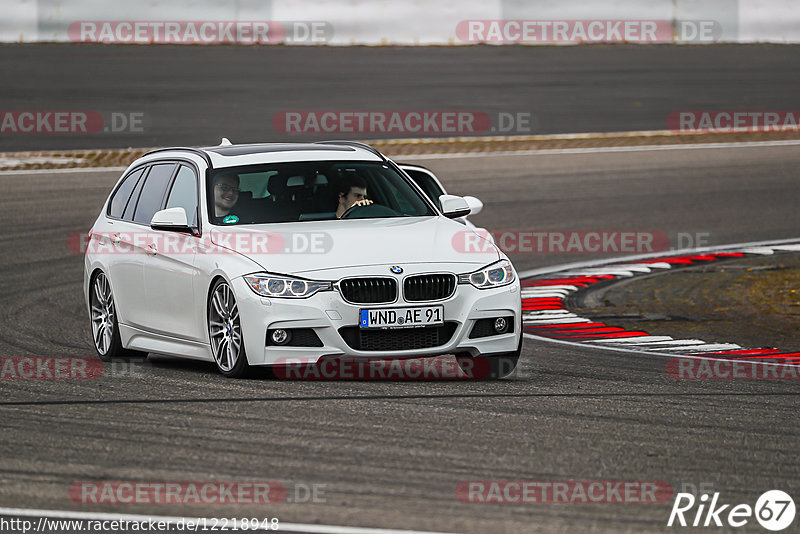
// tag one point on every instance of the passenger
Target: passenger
(352, 193)
(226, 194)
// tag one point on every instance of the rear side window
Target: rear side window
(152, 194)
(131, 207)
(256, 182)
(184, 193)
(123, 194)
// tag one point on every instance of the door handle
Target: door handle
(151, 249)
(115, 238)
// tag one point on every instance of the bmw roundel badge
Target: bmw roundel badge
(396, 269)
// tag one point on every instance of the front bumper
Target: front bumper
(326, 313)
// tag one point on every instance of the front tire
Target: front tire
(225, 331)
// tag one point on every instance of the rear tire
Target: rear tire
(490, 367)
(105, 328)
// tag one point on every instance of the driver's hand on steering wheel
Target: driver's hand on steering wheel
(362, 202)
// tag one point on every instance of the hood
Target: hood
(320, 246)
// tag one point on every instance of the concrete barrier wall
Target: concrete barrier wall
(410, 22)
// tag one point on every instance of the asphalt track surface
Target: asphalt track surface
(194, 95)
(391, 454)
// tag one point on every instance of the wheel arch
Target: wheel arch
(92, 276)
(211, 285)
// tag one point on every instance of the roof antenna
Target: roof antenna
(225, 142)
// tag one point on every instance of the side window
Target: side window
(152, 194)
(428, 185)
(131, 207)
(123, 194)
(184, 193)
(256, 182)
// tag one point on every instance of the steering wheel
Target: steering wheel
(368, 211)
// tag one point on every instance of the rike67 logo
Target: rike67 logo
(774, 510)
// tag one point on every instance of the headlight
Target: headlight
(496, 275)
(271, 285)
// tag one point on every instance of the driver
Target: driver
(352, 193)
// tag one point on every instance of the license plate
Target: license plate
(401, 317)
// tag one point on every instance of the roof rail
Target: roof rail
(354, 144)
(197, 151)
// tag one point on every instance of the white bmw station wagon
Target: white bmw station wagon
(262, 254)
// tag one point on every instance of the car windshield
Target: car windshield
(311, 191)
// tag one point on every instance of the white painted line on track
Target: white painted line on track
(500, 153)
(705, 347)
(540, 318)
(61, 171)
(635, 340)
(172, 520)
(764, 251)
(598, 272)
(9, 161)
(660, 265)
(597, 150)
(545, 318)
(549, 313)
(544, 291)
(620, 340)
(567, 320)
(547, 289)
(636, 267)
(671, 342)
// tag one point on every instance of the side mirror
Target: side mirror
(454, 206)
(171, 220)
(475, 205)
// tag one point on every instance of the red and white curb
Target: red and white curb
(546, 317)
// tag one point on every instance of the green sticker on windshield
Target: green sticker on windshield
(230, 219)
